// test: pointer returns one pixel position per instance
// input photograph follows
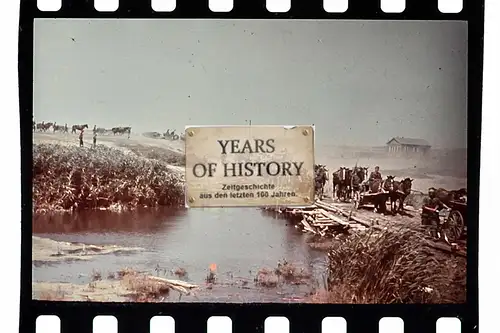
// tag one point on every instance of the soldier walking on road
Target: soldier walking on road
(81, 138)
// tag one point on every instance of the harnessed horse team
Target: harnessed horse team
(354, 184)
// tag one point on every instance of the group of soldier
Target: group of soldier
(321, 177)
(94, 137)
(432, 201)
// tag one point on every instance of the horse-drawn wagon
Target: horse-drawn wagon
(450, 223)
(376, 200)
(456, 224)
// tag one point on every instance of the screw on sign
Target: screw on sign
(232, 166)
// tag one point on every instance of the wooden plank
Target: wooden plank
(312, 219)
(308, 227)
(346, 214)
(326, 206)
(325, 224)
(335, 218)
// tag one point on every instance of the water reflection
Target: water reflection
(239, 240)
(143, 220)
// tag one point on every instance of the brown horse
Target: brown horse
(60, 128)
(359, 175)
(121, 130)
(320, 179)
(75, 128)
(401, 191)
(384, 188)
(460, 195)
(341, 180)
(455, 195)
(43, 126)
(379, 185)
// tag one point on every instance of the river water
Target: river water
(239, 241)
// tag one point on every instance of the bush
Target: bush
(392, 267)
(73, 178)
(285, 272)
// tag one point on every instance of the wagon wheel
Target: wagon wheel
(454, 227)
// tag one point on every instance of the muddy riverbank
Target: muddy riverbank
(49, 251)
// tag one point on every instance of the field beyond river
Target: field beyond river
(109, 224)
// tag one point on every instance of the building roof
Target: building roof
(410, 141)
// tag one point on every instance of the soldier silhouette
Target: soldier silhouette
(81, 138)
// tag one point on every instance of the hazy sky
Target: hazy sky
(360, 83)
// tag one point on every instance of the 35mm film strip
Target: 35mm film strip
(330, 6)
(318, 9)
(253, 166)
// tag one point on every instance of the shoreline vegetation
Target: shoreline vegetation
(68, 178)
(391, 266)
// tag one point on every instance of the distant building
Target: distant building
(407, 146)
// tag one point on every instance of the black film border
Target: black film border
(134, 317)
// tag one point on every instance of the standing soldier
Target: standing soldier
(81, 138)
(94, 139)
(375, 175)
(432, 202)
